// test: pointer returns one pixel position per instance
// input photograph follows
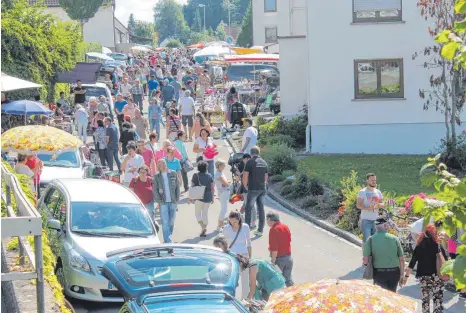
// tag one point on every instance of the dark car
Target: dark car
(174, 277)
(238, 72)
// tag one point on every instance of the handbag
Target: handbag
(369, 271)
(187, 166)
(197, 192)
(236, 237)
(440, 262)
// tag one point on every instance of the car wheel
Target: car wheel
(60, 273)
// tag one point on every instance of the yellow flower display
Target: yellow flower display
(38, 139)
(338, 296)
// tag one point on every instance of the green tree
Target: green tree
(81, 10)
(220, 33)
(36, 45)
(245, 36)
(214, 12)
(238, 10)
(143, 29)
(451, 213)
(131, 23)
(169, 20)
(174, 43)
(197, 22)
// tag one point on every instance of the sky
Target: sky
(142, 9)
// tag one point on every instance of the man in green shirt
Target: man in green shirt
(387, 256)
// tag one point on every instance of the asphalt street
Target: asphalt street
(317, 253)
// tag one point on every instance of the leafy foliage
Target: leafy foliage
(452, 213)
(174, 43)
(315, 187)
(349, 190)
(245, 36)
(169, 20)
(287, 182)
(143, 29)
(287, 190)
(220, 31)
(276, 178)
(131, 22)
(81, 10)
(35, 45)
(280, 157)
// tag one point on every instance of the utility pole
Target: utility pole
(205, 35)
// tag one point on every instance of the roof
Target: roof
(97, 190)
(56, 3)
(86, 72)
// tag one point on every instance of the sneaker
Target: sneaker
(252, 227)
(203, 233)
(258, 233)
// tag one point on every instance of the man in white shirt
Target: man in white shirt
(131, 164)
(249, 136)
(187, 111)
(125, 88)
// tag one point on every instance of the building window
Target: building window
(270, 5)
(367, 11)
(271, 35)
(378, 78)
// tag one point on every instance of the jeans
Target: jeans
(285, 263)
(211, 167)
(121, 119)
(367, 229)
(112, 153)
(155, 124)
(82, 131)
(253, 211)
(387, 278)
(167, 215)
(138, 100)
(256, 196)
(184, 176)
(103, 156)
(151, 209)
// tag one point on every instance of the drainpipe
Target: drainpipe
(308, 127)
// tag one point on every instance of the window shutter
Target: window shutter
(376, 5)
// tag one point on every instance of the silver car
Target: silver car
(87, 219)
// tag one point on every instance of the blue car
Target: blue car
(174, 278)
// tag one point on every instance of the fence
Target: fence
(25, 222)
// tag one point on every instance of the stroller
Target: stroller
(237, 187)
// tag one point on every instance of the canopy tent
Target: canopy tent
(252, 58)
(214, 52)
(198, 45)
(217, 44)
(240, 50)
(261, 48)
(85, 72)
(100, 56)
(106, 50)
(141, 49)
(10, 83)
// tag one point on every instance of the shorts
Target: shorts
(187, 119)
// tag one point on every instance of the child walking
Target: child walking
(223, 188)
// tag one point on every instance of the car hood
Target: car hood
(97, 247)
(50, 173)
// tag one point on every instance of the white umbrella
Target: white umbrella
(217, 44)
(106, 50)
(99, 56)
(10, 83)
(141, 48)
(214, 51)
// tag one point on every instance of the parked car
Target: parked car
(68, 164)
(97, 90)
(239, 72)
(173, 278)
(86, 219)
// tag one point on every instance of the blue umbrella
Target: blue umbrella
(25, 107)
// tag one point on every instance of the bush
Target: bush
(315, 187)
(350, 213)
(309, 202)
(287, 182)
(280, 138)
(280, 157)
(454, 156)
(287, 190)
(301, 185)
(276, 178)
(174, 43)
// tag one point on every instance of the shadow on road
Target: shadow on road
(355, 274)
(197, 240)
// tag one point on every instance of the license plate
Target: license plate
(110, 285)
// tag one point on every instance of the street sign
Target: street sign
(229, 40)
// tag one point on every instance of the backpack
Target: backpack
(237, 112)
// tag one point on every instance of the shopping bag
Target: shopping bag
(197, 192)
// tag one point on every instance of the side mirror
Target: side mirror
(54, 224)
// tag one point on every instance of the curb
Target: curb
(320, 223)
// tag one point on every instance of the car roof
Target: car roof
(96, 190)
(101, 85)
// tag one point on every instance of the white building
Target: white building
(364, 84)
(265, 24)
(103, 28)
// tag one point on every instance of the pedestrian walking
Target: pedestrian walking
(223, 187)
(128, 133)
(200, 122)
(280, 246)
(119, 106)
(166, 193)
(237, 234)
(370, 200)
(137, 91)
(131, 163)
(141, 123)
(103, 107)
(249, 136)
(168, 92)
(81, 117)
(163, 152)
(187, 110)
(23, 169)
(79, 93)
(100, 137)
(425, 256)
(204, 82)
(387, 256)
(148, 156)
(173, 125)
(153, 86)
(255, 176)
(153, 143)
(112, 144)
(201, 206)
(130, 109)
(176, 84)
(185, 163)
(244, 192)
(155, 114)
(141, 185)
(173, 163)
(201, 144)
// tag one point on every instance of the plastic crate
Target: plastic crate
(112, 176)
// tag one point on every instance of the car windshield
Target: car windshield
(119, 57)
(180, 266)
(95, 92)
(110, 219)
(64, 159)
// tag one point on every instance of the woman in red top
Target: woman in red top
(142, 187)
